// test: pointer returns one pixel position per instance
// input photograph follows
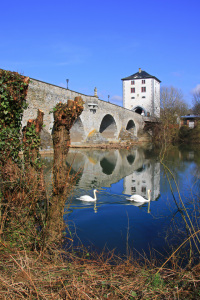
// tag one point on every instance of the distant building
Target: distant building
(189, 120)
(141, 180)
(141, 93)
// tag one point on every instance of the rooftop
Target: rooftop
(190, 117)
(140, 75)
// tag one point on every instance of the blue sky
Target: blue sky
(96, 43)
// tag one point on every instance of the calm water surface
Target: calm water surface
(113, 221)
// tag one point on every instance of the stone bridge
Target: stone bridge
(104, 167)
(100, 121)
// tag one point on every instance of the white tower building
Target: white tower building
(141, 93)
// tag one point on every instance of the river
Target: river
(113, 222)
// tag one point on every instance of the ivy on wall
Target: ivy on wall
(13, 91)
(31, 140)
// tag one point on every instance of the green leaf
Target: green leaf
(134, 294)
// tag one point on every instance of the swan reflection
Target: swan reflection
(139, 198)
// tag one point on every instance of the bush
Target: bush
(188, 135)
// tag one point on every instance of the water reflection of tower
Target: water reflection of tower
(145, 178)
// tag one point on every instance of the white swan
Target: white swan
(138, 198)
(88, 198)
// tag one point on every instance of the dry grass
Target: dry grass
(29, 275)
(33, 266)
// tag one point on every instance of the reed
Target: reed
(25, 275)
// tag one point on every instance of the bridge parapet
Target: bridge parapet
(151, 119)
(100, 121)
(106, 121)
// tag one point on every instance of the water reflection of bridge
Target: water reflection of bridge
(101, 168)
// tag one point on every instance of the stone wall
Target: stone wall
(100, 121)
(45, 96)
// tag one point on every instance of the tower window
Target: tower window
(132, 90)
(143, 189)
(132, 82)
(143, 81)
(133, 189)
(143, 89)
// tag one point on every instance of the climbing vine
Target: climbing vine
(31, 145)
(13, 91)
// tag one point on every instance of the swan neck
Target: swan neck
(149, 195)
(95, 196)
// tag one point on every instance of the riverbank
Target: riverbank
(99, 146)
(32, 266)
(32, 275)
(111, 145)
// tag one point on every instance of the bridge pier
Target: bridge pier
(105, 123)
(101, 122)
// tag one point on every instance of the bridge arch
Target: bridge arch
(77, 133)
(141, 169)
(108, 127)
(130, 125)
(108, 166)
(130, 158)
(139, 110)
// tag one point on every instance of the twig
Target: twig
(177, 250)
(26, 275)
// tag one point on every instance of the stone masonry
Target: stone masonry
(100, 121)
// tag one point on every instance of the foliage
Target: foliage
(10, 143)
(189, 135)
(157, 281)
(32, 138)
(13, 91)
(14, 180)
(31, 146)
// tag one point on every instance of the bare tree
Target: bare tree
(173, 104)
(196, 102)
